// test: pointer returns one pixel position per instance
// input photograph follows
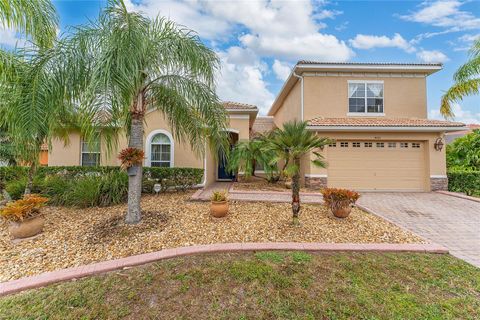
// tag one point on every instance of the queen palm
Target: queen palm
(37, 18)
(467, 81)
(125, 64)
(290, 144)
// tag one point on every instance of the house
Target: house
(452, 136)
(376, 114)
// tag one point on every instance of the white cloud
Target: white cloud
(8, 37)
(461, 115)
(362, 41)
(445, 14)
(243, 82)
(432, 56)
(281, 69)
(469, 38)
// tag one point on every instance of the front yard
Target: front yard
(266, 285)
(74, 237)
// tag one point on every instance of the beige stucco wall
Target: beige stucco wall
(61, 154)
(290, 108)
(327, 96)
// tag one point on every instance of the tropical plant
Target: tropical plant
(126, 63)
(338, 198)
(467, 81)
(130, 157)
(219, 196)
(464, 152)
(7, 149)
(290, 144)
(37, 18)
(22, 209)
(247, 154)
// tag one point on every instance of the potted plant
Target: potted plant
(24, 216)
(219, 204)
(130, 158)
(340, 201)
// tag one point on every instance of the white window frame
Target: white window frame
(148, 143)
(366, 113)
(82, 152)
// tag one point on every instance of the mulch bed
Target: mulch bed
(74, 237)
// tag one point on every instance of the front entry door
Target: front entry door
(223, 174)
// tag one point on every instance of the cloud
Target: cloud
(362, 41)
(432, 56)
(243, 82)
(281, 70)
(461, 115)
(445, 14)
(8, 37)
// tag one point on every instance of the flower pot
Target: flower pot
(26, 228)
(342, 212)
(219, 209)
(288, 184)
(132, 171)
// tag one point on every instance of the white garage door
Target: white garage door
(377, 165)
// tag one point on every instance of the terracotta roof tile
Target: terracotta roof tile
(239, 106)
(369, 63)
(263, 124)
(382, 122)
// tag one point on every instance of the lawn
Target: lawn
(74, 237)
(266, 285)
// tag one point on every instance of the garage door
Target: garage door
(374, 165)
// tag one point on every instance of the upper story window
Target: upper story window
(90, 153)
(365, 97)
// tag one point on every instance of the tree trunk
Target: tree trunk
(31, 174)
(296, 193)
(134, 213)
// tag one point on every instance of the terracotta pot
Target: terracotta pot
(219, 209)
(26, 228)
(288, 184)
(342, 212)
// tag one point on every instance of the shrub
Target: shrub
(22, 209)
(466, 181)
(338, 198)
(219, 196)
(16, 188)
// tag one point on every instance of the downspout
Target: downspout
(301, 94)
(204, 182)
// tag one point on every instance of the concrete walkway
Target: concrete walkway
(254, 196)
(447, 220)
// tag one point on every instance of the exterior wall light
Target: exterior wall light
(438, 145)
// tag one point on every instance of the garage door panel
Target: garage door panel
(377, 168)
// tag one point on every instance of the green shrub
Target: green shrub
(84, 193)
(55, 188)
(114, 188)
(16, 188)
(466, 181)
(8, 174)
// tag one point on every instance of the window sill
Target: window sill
(367, 114)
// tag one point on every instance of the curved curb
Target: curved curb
(47, 278)
(458, 195)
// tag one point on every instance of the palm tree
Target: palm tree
(37, 18)
(467, 81)
(290, 144)
(30, 110)
(126, 63)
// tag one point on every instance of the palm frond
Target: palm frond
(456, 93)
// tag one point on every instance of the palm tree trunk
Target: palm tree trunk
(31, 174)
(296, 194)
(134, 214)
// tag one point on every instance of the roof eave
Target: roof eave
(371, 67)
(384, 128)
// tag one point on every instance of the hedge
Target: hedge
(93, 186)
(466, 181)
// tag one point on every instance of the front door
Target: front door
(223, 173)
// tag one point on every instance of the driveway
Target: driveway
(446, 220)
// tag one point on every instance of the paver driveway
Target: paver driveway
(446, 220)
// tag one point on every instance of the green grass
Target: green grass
(266, 285)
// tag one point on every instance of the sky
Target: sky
(259, 41)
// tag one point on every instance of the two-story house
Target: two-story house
(375, 112)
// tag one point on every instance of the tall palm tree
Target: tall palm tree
(30, 110)
(467, 81)
(37, 18)
(125, 64)
(290, 144)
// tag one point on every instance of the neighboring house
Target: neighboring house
(375, 112)
(452, 136)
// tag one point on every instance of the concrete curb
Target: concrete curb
(47, 278)
(458, 195)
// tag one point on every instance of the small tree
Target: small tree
(290, 144)
(464, 152)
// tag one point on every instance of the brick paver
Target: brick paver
(450, 221)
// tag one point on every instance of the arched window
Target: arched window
(160, 151)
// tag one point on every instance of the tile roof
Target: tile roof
(382, 122)
(263, 124)
(369, 63)
(239, 106)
